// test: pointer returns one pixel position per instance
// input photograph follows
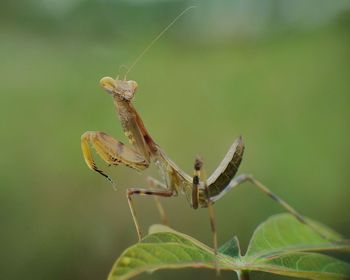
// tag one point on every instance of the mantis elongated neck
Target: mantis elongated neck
(134, 128)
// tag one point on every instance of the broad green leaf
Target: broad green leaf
(281, 245)
(163, 250)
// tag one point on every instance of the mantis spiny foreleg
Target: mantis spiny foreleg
(112, 151)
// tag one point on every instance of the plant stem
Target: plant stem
(243, 275)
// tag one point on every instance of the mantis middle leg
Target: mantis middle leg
(154, 184)
(139, 191)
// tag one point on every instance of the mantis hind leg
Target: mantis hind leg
(112, 151)
(249, 178)
(199, 176)
(132, 191)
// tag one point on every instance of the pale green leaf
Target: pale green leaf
(163, 250)
(305, 265)
(285, 233)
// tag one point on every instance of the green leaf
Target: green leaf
(282, 233)
(281, 245)
(305, 265)
(231, 248)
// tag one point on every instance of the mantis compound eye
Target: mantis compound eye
(133, 85)
(109, 84)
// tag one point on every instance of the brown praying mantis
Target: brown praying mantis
(200, 192)
(145, 150)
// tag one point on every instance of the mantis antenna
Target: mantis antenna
(156, 38)
(125, 67)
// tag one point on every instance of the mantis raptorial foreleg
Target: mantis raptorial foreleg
(112, 151)
(131, 191)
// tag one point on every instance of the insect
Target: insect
(144, 151)
(200, 192)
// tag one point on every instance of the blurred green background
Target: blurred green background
(276, 72)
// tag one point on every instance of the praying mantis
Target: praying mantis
(144, 151)
(200, 191)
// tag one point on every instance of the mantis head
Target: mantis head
(122, 89)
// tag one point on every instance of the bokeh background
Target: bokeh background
(276, 72)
